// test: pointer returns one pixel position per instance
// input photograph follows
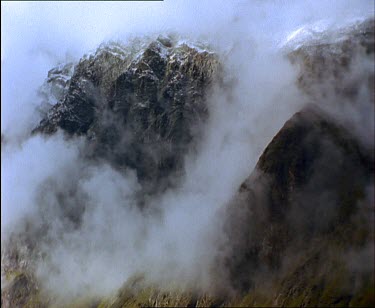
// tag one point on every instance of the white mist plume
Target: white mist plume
(175, 239)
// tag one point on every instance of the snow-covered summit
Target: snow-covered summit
(320, 32)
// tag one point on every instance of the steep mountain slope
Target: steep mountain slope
(299, 214)
(305, 215)
(139, 106)
(300, 229)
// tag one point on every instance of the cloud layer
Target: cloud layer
(47, 179)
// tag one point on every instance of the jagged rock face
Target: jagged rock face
(55, 87)
(21, 293)
(141, 106)
(57, 84)
(326, 61)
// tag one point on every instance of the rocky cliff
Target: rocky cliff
(299, 231)
(139, 106)
(307, 208)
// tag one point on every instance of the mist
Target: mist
(174, 239)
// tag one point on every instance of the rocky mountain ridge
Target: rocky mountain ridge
(154, 94)
(293, 224)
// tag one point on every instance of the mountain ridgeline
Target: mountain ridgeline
(140, 107)
(300, 229)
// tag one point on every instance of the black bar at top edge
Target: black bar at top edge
(82, 1)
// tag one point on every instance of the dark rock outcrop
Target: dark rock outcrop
(308, 204)
(22, 291)
(140, 106)
(309, 182)
(301, 219)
